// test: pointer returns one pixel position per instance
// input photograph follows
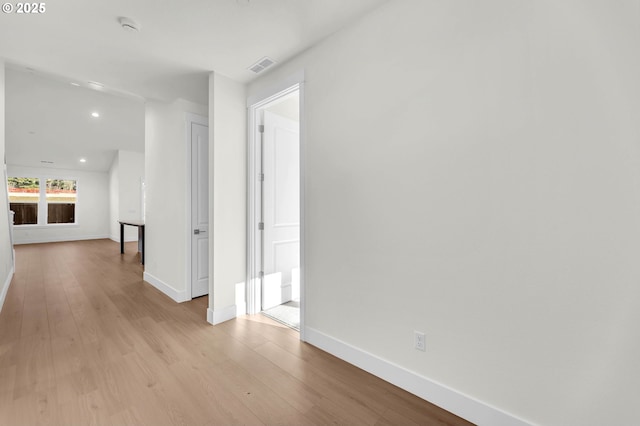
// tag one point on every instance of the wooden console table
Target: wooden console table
(140, 225)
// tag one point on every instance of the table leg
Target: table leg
(121, 238)
(142, 251)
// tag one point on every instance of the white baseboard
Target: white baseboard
(178, 296)
(39, 240)
(449, 399)
(216, 316)
(5, 286)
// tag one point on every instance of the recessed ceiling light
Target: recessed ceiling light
(95, 85)
(95, 114)
(83, 160)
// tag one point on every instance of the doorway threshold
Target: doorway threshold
(288, 314)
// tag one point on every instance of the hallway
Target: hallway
(83, 340)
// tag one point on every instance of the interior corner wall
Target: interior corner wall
(6, 251)
(227, 177)
(166, 214)
(130, 176)
(114, 200)
(125, 193)
(473, 172)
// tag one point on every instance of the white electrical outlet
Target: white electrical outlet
(419, 341)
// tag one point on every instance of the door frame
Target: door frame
(189, 119)
(254, 104)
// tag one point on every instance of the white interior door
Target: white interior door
(199, 210)
(281, 198)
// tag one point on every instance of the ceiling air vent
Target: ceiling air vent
(261, 65)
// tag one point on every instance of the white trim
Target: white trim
(187, 203)
(284, 87)
(436, 393)
(178, 296)
(241, 299)
(217, 316)
(28, 227)
(189, 119)
(7, 283)
(10, 217)
(252, 286)
(268, 94)
(196, 118)
(303, 189)
(18, 241)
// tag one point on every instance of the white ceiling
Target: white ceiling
(50, 120)
(179, 44)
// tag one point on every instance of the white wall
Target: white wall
(92, 209)
(6, 256)
(131, 168)
(125, 189)
(114, 199)
(473, 172)
(167, 211)
(227, 175)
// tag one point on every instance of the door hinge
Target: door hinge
(261, 177)
(261, 226)
(261, 274)
(261, 128)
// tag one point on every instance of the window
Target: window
(61, 201)
(24, 197)
(52, 202)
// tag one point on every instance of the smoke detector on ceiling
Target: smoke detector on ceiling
(261, 65)
(129, 24)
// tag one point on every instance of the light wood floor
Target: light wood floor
(83, 340)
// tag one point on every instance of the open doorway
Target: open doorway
(275, 243)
